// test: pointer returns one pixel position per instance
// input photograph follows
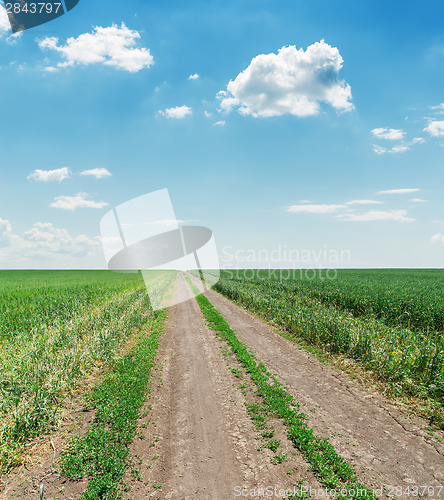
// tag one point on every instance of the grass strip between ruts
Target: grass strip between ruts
(330, 468)
(102, 454)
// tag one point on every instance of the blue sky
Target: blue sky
(329, 103)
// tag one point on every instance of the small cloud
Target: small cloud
(314, 209)
(401, 148)
(98, 173)
(177, 113)
(219, 124)
(114, 46)
(438, 109)
(364, 202)
(399, 191)
(194, 77)
(435, 128)
(57, 175)
(208, 114)
(418, 200)
(390, 134)
(379, 150)
(79, 200)
(437, 238)
(373, 215)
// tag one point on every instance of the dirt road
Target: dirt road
(205, 442)
(383, 446)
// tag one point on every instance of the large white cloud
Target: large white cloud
(114, 46)
(178, 112)
(435, 128)
(43, 240)
(80, 200)
(293, 81)
(58, 175)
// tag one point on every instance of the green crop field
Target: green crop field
(390, 321)
(55, 326)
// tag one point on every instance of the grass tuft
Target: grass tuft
(102, 455)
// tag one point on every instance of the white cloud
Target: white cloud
(418, 200)
(390, 134)
(98, 173)
(5, 27)
(399, 148)
(437, 238)
(379, 150)
(178, 112)
(208, 114)
(79, 200)
(290, 82)
(373, 215)
(5, 233)
(112, 46)
(194, 77)
(43, 240)
(435, 128)
(57, 175)
(399, 191)
(364, 202)
(314, 209)
(438, 109)
(221, 123)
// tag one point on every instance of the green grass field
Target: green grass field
(55, 326)
(390, 321)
